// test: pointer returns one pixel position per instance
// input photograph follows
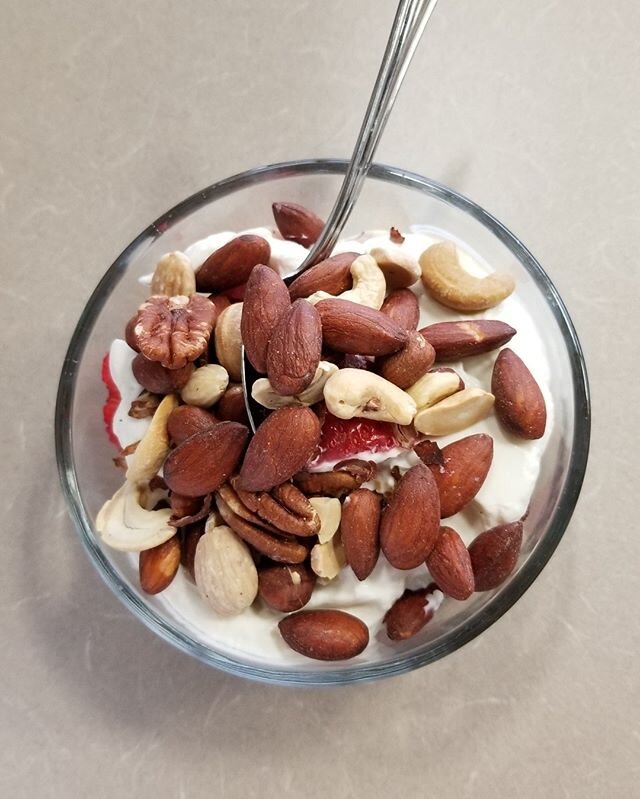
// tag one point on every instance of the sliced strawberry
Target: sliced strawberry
(343, 438)
(113, 400)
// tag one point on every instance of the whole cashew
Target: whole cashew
(400, 269)
(124, 523)
(262, 390)
(369, 285)
(356, 392)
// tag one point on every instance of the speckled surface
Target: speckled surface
(112, 112)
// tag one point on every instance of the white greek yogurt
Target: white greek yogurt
(504, 496)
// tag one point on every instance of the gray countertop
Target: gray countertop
(113, 112)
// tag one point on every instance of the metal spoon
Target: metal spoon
(408, 25)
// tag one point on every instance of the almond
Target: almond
(360, 531)
(266, 300)
(409, 613)
(221, 302)
(411, 521)
(159, 565)
(332, 275)
(402, 306)
(520, 405)
(359, 330)
(231, 406)
(202, 463)
(453, 340)
(406, 367)
(185, 420)
(325, 634)
(283, 444)
(286, 588)
(494, 555)
(232, 264)
(297, 223)
(294, 349)
(189, 537)
(450, 565)
(464, 469)
(157, 378)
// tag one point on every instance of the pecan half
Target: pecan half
(174, 330)
(144, 405)
(360, 469)
(284, 510)
(237, 505)
(326, 484)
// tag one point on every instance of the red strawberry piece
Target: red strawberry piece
(344, 438)
(112, 402)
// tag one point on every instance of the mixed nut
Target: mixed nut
(250, 518)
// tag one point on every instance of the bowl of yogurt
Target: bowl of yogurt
(537, 480)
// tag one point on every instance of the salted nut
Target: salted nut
(262, 391)
(400, 269)
(369, 285)
(205, 386)
(355, 392)
(174, 275)
(433, 387)
(454, 413)
(125, 523)
(329, 510)
(154, 445)
(228, 341)
(225, 573)
(328, 559)
(451, 285)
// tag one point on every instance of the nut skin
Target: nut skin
(286, 588)
(231, 407)
(450, 565)
(494, 555)
(156, 378)
(520, 405)
(325, 634)
(297, 223)
(408, 614)
(231, 264)
(332, 275)
(283, 444)
(360, 531)
(266, 301)
(294, 349)
(185, 420)
(464, 469)
(359, 330)
(402, 306)
(158, 566)
(406, 367)
(201, 464)
(453, 340)
(411, 521)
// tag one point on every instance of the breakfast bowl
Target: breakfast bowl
(391, 197)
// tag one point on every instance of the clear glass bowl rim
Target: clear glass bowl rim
(359, 673)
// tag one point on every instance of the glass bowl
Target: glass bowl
(391, 197)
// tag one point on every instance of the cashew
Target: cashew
(327, 559)
(154, 446)
(356, 392)
(205, 386)
(262, 390)
(454, 413)
(330, 512)
(400, 269)
(225, 573)
(124, 523)
(173, 276)
(451, 285)
(229, 341)
(433, 387)
(369, 285)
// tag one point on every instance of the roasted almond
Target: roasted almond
(411, 521)
(359, 330)
(159, 565)
(494, 555)
(464, 469)
(406, 367)
(294, 349)
(402, 306)
(453, 340)
(297, 223)
(450, 565)
(201, 464)
(325, 634)
(520, 405)
(157, 378)
(266, 300)
(332, 275)
(189, 537)
(185, 420)
(221, 303)
(359, 527)
(232, 263)
(231, 406)
(283, 444)
(286, 588)
(409, 613)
